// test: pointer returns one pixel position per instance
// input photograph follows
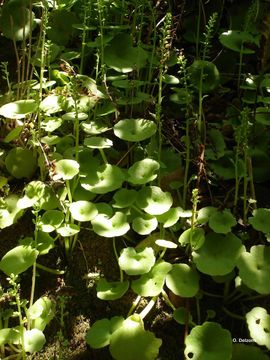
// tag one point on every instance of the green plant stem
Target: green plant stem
(198, 310)
(52, 271)
(18, 303)
(148, 307)
(231, 314)
(134, 305)
(102, 153)
(167, 300)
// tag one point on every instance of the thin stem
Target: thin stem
(148, 307)
(116, 256)
(52, 271)
(134, 305)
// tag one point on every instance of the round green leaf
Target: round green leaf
(132, 342)
(33, 340)
(83, 210)
(260, 220)
(18, 259)
(134, 129)
(106, 226)
(72, 116)
(98, 142)
(41, 312)
(208, 72)
(151, 283)
(9, 211)
(33, 192)
(94, 127)
(111, 290)
(99, 334)
(205, 213)
(51, 104)
(16, 20)
(222, 222)
(136, 262)
(50, 124)
(258, 321)
(183, 280)
(181, 315)
(20, 162)
(235, 40)
(66, 169)
(208, 342)
(143, 171)
(254, 268)
(262, 115)
(153, 200)
(10, 336)
(166, 244)
(169, 218)
(124, 198)
(144, 225)
(51, 220)
(67, 230)
(219, 254)
(104, 179)
(18, 109)
(122, 56)
(195, 237)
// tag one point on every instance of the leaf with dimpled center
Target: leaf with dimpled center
(260, 220)
(219, 254)
(143, 171)
(183, 280)
(134, 129)
(131, 342)
(136, 262)
(83, 210)
(258, 321)
(254, 268)
(208, 342)
(18, 259)
(153, 200)
(116, 225)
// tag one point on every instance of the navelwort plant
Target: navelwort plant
(86, 138)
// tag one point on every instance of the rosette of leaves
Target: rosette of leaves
(151, 283)
(222, 222)
(136, 262)
(143, 171)
(183, 280)
(103, 179)
(121, 56)
(254, 268)
(260, 220)
(219, 254)
(208, 342)
(111, 290)
(134, 129)
(258, 321)
(153, 200)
